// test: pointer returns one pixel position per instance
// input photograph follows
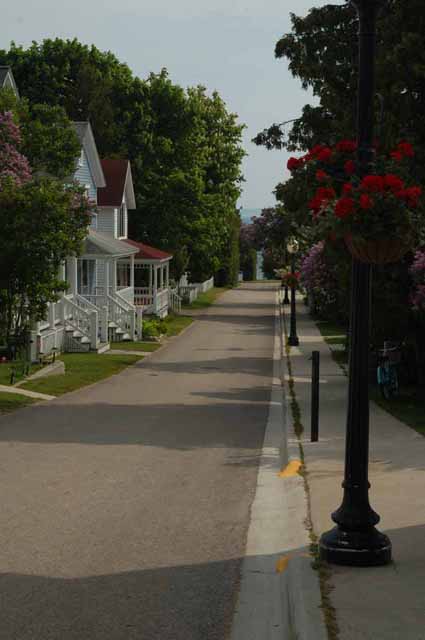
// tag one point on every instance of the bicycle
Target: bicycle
(388, 359)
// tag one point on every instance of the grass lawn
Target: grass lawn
(176, 323)
(206, 299)
(408, 407)
(136, 346)
(10, 402)
(6, 370)
(81, 369)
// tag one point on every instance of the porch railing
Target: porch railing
(122, 314)
(174, 301)
(143, 297)
(84, 320)
(51, 340)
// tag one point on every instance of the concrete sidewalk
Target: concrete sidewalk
(374, 603)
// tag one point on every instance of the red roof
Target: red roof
(115, 172)
(148, 253)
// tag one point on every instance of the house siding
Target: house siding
(107, 221)
(84, 177)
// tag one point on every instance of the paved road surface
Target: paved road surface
(125, 506)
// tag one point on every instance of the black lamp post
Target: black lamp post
(293, 341)
(355, 541)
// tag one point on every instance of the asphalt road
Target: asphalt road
(125, 506)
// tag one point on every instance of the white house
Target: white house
(115, 280)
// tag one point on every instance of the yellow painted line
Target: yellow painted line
(281, 564)
(291, 470)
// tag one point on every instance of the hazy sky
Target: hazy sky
(222, 45)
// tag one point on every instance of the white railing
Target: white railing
(143, 297)
(51, 340)
(83, 320)
(205, 286)
(174, 301)
(189, 293)
(122, 314)
(127, 294)
(161, 302)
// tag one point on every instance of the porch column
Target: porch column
(132, 271)
(150, 278)
(107, 277)
(72, 271)
(167, 275)
(113, 264)
(161, 274)
(155, 278)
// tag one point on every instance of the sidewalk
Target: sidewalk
(384, 603)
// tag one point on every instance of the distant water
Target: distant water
(247, 215)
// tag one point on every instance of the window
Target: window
(121, 221)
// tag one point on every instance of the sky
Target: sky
(225, 46)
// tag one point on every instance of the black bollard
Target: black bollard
(315, 375)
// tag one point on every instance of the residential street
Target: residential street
(125, 506)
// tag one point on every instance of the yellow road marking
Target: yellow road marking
(281, 564)
(291, 470)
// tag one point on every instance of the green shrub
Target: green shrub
(151, 328)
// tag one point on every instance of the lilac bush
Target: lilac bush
(13, 165)
(319, 279)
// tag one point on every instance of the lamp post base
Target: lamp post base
(366, 548)
(293, 341)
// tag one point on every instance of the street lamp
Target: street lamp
(355, 541)
(286, 294)
(292, 248)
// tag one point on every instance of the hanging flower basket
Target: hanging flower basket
(378, 215)
(383, 251)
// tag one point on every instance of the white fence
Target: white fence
(190, 292)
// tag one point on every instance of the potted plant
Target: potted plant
(377, 215)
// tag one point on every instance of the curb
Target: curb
(279, 598)
(300, 584)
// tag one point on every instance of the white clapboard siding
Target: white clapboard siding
(84, 176)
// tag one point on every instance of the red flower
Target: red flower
(366, 201)
(314, 152)
(344, 207)
(350, 167)
(397, 156)
(372, 183)
(406, 149)
(321, 175)
(412, 196)
(293, 163)
(347, 188)
(324, 155)
(325, 193)
(394, 183)
(314, 205)
(346, 146)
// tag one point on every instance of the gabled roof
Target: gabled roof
(86, 137)
(119, 183)
(148, 253)
(7, 81)
(101, 244)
